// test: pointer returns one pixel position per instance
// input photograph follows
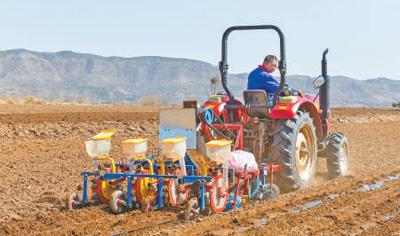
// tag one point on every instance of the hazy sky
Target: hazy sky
(363, 35)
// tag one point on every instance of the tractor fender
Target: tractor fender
(287, 111)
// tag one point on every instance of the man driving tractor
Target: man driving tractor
(261, 78)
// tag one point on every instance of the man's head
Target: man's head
(270, 63)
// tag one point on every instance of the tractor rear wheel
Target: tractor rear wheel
(338, 155)
(294, 147)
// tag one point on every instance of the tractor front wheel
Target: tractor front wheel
(338, 155)
(294, 147)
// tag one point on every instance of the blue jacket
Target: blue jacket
(260, 79)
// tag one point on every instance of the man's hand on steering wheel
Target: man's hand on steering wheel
(287, 92)
(292, 92)
(299, 93)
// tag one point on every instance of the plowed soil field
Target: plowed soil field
(42, 154)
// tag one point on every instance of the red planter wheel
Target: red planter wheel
(178, 195)
(218, 195)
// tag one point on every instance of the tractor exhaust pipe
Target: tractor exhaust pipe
(324, 94)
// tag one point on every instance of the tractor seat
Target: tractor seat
(256, 98)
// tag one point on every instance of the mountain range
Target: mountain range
(77, 77)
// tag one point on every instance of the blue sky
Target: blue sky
(363, 35)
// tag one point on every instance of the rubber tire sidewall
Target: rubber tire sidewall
(284, 151)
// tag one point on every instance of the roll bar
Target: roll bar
(223, 65)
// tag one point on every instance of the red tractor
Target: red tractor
(291, 131)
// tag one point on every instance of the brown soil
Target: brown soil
(42, 154)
